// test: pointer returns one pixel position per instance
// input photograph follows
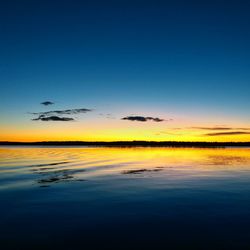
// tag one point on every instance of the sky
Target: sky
(125, 70)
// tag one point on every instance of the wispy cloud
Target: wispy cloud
(56, 115)
(169, 133)
(228, 133)
(108, 116)
(53, 118)
(212, 128)
(47, 103)
(63, 112)
(219, 128)
(143, 118)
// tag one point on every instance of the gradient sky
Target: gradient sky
(186, 62)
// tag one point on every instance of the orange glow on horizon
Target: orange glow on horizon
(29, 135)
(117, 130)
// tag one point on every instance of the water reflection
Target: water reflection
(139, 171)
(227, 159)
(56, 165)
(134, 197)
(52, 175)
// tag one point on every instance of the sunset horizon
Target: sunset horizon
(161, 71)
(125, 124)
(84, 124)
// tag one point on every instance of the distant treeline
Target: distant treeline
(131, 144)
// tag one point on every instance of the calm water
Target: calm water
(131, 198)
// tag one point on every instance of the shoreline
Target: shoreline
(130, 144)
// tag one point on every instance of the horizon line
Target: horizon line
(139, 143)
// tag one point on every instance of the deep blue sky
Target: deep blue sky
(172, 56)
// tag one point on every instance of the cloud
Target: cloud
(228, 133)
(108, 116)
(219, 128)
(53, 118)
(142, 118)
(47, 103)
(243, 128)
(56, 115)
(168, 133)
(212, 128)
(63, 112)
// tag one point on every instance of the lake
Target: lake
(124, 198)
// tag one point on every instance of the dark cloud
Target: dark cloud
(143, 118)
(56, 115)
(47, 103)
(63, 112)
(228, 133)
(52, 118)
(219, 128)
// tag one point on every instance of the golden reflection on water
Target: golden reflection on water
(67, 164)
